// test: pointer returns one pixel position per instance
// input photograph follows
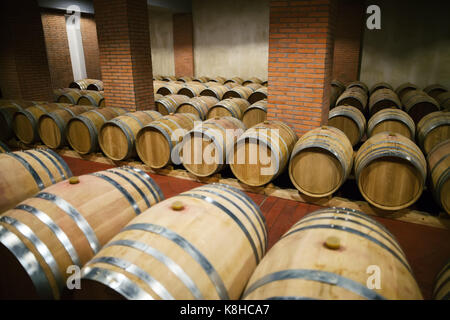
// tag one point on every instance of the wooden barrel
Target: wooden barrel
(262, 152)
(412, 93)
(198, 106)
(170, 88)
(25, 173)
(321, 161)
(439, 172)
(237, 80)
(192, 89)
(433, 129)
(232, 107)
(214, 91)
(168, 104)
(117, 136)
(184, 79)
(155, 142)
(70, 97)
(169, 78)
(96, 86)
(162, 253)
(157, 77)
(358, 84)
(254, 80)
(218, 79)
(67, 224)
(212, 84)
(390, 170)
(444, 101)
(391, 120)
(258, 95)
(434, 90)
(420, 105)
(202, 79)
(331, 254)
(383, 99)
(355, 97)
(405, 88)
(158, 85)
(350, 121)
(380, 85)
(25, 122)
(158, 96)
(442, 284)
(255, 113)
(92, 98)
(52, 126)
(204, 149)
(79, 84)
(231, 85)
(336, 91)
(82, 130)
(7, 112)
(265, 83)
(253, 86)
(3, 147)
(238, 92)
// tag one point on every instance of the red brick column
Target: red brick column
(347, 40)
(23, 52)
(183, 39)
(125, 59)
(300, 62)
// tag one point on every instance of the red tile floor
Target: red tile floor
(426, 248)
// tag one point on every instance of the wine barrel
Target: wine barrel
(380, 85)
(256, 165)
(390, 170)
(237, 80)
(70, 97)
(350, 121)
(405, 88)
(212, 84)
(80, 84)
(202, 79)
(232, 107)
(82, 130)
(255, 113)
(65, 225)
(383, 99)
(204, 149)
(336, 91)
(439, 169)
(185, 79)
(25, 173)
(162, 253)
(218, 79)
(258, 95)
(253, 86)
(168, 104)
(158, 96)
(157, 77)
(96, 86)
(7, 112)
(3, 147)
(392, 120)
(170, 88)
(169, 78)
(444, 101)
(419, 106)
(255, 80)
(434, 90)
(117, 136)
(214, 91)
(92, 98)
(354, 97)
(155, 142)
(442, 284)
(52, 126)
(231, 85)
(192, 89)
(321, 161)
(327, 255)
(433, 129)
(158, 85)
(25, 122)
(265, 83)
(238, 92)
(358, 84)
(198, 106)
(338, 84)
(412, 93)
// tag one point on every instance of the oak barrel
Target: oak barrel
(439, 172)
(169, 88)
(259, 94)
(168, 104)
(81, 84)
(255, 113)
(218, 79)
(82, 130)
(169, 78)
(321, 161)
(204, 149)
(237, 80)
(155, 142)
(52, 126)
(198, 106)
(25, 173)
(383, 99)
(184, 79)
(231, 85)
(232, 107)
(216, 91)
(3, 147)
(391, 120)
(253, 86)
(442, 284)
(444, 101)
(97, 85)
(255, 80)
(66, 225)
(117, 136)
(238, 92)
(390, 171)
(192, 89)
(157, 77)
(360, 85)
(69, 96)
(433, 129)
(355, 97)
(420, 105)
(202, 79)
(262, 152)
(334, 254)
(92, 98)
(7, 112)
(350, 121)
(337, 88)
(380, 85)
(164, 252)
(434, 90)
(405, 88)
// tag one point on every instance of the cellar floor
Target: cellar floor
(426, 248)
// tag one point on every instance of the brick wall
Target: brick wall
(347, 41)
(300, 62)
(125, 59)
(183, 44)
(90, 46)
(9, 80)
